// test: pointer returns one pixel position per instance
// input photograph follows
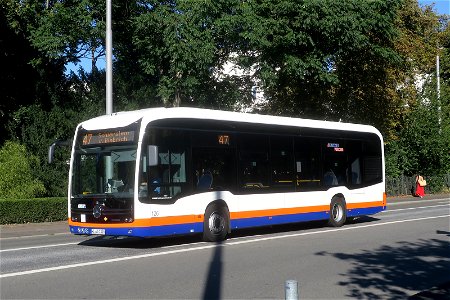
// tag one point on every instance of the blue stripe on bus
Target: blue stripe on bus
(364, 211)
(143, 231)
(282, 219)
(175, 229)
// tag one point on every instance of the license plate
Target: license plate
(98, 231)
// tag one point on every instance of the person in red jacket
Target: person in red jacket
(420, 186)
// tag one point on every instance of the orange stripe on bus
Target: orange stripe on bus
(364, 204)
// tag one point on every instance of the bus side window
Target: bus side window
(372, 169)
(281, 160)
(253, 162)
(169, 178)
(307, 163)
(334, 162)
(354, 154)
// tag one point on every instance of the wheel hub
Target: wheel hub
(216, 223)
(337, 212)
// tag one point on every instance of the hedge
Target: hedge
(33, 210)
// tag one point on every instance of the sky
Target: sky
(441, 7)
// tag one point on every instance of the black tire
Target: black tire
(338, 212)
(215, 224)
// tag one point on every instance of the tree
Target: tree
(420, 142)
(322, 59)
(350, 60)
(38, 130)
(69, 30)
(180, 46)
(17, 180)
(27, 75)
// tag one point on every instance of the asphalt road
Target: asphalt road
(391, 255)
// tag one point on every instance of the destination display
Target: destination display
(107, 137)
(335, 147)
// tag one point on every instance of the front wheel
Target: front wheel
(338, 213)
(215, 225)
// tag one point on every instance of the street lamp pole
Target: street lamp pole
(438, 80)
(109, 101)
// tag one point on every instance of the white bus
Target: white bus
(169, 171)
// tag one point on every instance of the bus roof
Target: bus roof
(121, 119)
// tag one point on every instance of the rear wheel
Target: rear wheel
(338, 213)
(215, 225)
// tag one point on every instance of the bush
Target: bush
(17, 180)
(33, 210)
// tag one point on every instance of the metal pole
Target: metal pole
(109, 101)
(438, 89)
(291, 290)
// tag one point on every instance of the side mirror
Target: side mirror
(152, 154)
(51, 149)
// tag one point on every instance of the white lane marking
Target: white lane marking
(76, 243)
(38, 247)
(231, 243)
(413, 208)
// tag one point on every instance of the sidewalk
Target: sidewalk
(29, 229)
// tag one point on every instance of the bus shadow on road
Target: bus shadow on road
(140, 243)
(178, 240)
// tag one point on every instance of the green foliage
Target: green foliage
(27, 75)
(17, 180)
(352, 60)
(70, 30)
(39, 129)
(424, 142)
(323, 59)
(184, 50)
(32, 210)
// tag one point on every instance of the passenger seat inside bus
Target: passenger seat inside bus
(205, 181)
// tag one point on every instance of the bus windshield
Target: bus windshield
(104, 170)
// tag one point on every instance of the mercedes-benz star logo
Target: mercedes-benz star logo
(97, 211)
